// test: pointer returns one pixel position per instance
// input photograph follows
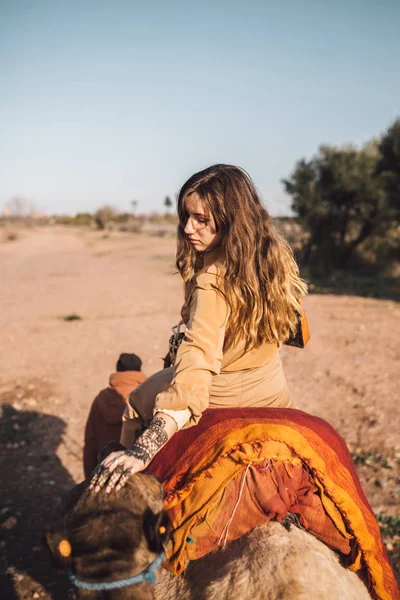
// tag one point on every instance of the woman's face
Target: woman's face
(200, 227)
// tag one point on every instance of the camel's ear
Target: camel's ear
(60, 548)
(156, 528)
(71, 498)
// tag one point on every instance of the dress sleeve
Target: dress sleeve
(200, 354)
(181, 417)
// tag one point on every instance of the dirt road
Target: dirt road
(127, 296)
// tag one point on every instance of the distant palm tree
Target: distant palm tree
(167, 203)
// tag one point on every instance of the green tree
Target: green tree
(389, 167)
(340, 201)
(104, 215)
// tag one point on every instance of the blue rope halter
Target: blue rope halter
(147, 575)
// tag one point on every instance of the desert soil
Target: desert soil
(124, 290)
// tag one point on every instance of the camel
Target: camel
(109, 537)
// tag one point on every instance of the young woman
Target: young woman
(242, 298)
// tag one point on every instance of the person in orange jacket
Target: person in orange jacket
(104, 422)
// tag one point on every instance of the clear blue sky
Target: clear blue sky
(106, 102)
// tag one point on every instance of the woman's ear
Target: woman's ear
(156, 527)
(59, 547)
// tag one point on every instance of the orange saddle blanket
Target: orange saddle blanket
(239, 468)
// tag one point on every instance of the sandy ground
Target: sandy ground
(125, 291)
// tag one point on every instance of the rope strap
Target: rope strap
(147, 575)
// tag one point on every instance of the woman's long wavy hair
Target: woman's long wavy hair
(261, 281)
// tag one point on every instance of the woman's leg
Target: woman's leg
(139, 409)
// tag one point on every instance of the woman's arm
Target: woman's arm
(198, 359)
(118, 466)
(200, 354)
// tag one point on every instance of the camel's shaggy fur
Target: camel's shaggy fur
(117, 535)
(268, 563)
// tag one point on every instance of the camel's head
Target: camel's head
(110, 537)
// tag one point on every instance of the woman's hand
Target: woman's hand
(114, 471)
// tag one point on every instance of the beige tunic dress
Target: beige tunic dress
(204, 375)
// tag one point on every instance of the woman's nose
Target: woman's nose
(189, 227)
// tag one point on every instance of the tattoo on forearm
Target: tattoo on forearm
(150, 441)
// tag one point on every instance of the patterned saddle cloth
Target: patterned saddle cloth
(240, 468)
